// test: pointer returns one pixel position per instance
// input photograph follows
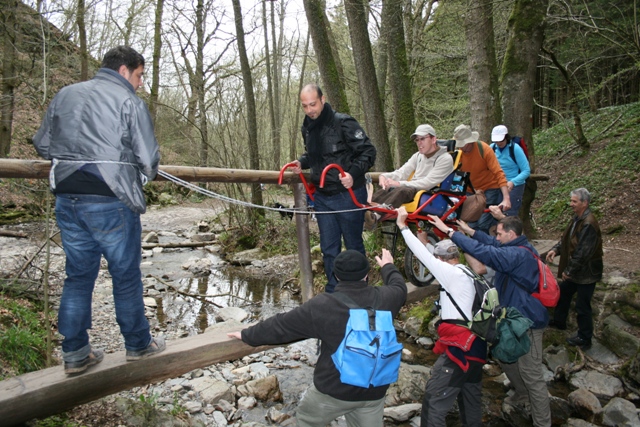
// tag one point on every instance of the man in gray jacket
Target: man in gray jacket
(99, 137)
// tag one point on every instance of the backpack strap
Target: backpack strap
(453, 301)
(371, 311)
(480, 148)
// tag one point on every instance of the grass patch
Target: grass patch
(23, 336)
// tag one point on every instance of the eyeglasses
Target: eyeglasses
(422, 138)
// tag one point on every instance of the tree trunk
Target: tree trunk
(295, 129)
(82, 39)
(367, 83)
(200, 83)
(9, 26)
(332, 78)
(276, 76)
(399, 79)
(526, 32)
(267, 57)
(482, 68)
(252, 125)
(155, 67)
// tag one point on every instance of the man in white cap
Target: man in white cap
(514, 164)
(426, 169)
(485, 173)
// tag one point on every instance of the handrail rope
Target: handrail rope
(228, 199)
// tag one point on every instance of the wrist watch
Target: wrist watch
(450, 232)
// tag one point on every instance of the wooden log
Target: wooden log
(49, 391)
(176, 245)
(10, 233)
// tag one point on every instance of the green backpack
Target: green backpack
(486, 309)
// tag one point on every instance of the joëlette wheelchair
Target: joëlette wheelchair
(444, 201)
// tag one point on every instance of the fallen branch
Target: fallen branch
(175, 245)
(30, 260)
(619, 249)
(9, 233)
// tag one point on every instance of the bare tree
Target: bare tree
(270, 77)
(252, 126)
(399, 78)
(482, 68)
(155, 67)
(9, 26)
(368, 83)
(82, 38)
(332, 77)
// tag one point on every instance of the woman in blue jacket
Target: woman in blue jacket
(514, 164)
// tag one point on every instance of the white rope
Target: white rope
(227, 199)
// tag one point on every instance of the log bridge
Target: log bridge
(49, 391)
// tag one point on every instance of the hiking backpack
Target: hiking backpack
(548, 290)
(486, 308)
(515, 140)
(369, 354)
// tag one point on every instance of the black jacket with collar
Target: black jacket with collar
(324, 318)
(342, 141)
(581, 250)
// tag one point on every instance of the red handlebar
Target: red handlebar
(337, 166)
(308, 188)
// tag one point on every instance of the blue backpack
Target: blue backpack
(369, 354)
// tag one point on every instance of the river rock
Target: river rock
(150, 302)
(193, 406)
(616, 336)
(577, 422)
(412, 380)
(585, 404)
(620, 413)
(198, 266)
(560, 409)
(247, 402)
(426, 342)
(212, 390)
(203, 237)
(403, 412)
(276, 416)
(219, 420)
(491, 369)
(258, 370)
(246, 257)
(264, 389)
(407, 355)
(151, 237)
(412, 326)
(602, 385)
(232, 313)
(555, 356)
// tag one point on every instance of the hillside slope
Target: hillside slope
(609, 170)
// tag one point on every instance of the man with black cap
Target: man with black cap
(457, 374)
(324, 318)
(426, 169)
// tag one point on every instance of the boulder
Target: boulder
(264, 389)
(620, 413)
(412, 326)
(555, 356)
(577, 422)
(232, 313)
(615, 334)
(602, 385)
(247, 257)
(212, 390)
(402, 413)
(585, 404)
(203, 237)
(247, 402)
(412, 380)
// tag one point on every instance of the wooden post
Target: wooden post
(304, 246)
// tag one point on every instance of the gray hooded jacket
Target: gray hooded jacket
(101, 120)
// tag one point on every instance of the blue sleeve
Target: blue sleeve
(523, 165)
(486, 250)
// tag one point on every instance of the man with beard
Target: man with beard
(332, 137)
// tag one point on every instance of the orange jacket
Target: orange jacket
(485, 170)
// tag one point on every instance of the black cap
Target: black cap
(351, 265)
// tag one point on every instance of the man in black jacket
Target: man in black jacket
(580, 267)
(322, 317)
(332, 137)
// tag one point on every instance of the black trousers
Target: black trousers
(583, 307)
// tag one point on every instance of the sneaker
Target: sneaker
(370, 220)
(557, 325)
(94, 357)
(579, 342)
(157, 345)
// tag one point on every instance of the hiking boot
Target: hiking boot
(579, 342)
(157, 345)
(94, 357)
(557, 325)
(370, 220)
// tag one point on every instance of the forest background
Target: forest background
(222, 78)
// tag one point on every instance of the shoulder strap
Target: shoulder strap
(349, 302)
(453, 301)
(480, 148)
(512, 153)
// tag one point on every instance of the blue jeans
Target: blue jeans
(335, 227)
(494, 197)
(516, 200)
(91, 226)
